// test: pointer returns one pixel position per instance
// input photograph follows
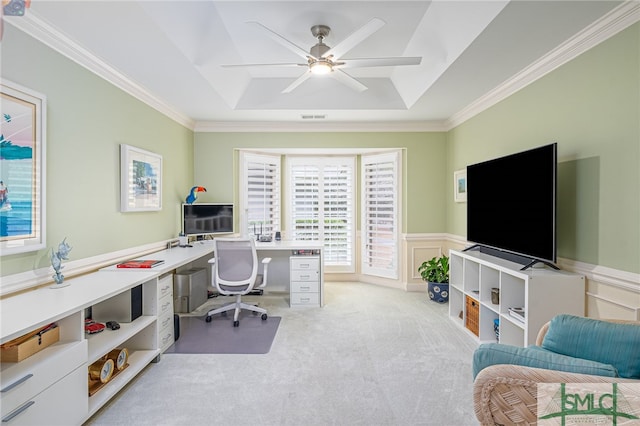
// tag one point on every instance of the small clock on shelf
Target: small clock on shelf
(119, 357)
(101, 370)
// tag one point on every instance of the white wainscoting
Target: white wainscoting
(610, 293)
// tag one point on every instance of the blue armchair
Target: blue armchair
(568, 349)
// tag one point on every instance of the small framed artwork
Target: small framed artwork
(22, 169)
(140, 180)
(460, 186)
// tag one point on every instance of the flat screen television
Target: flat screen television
(207, 218)
(511, 204)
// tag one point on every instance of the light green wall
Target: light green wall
(591, 108)
(87, 119)
(424, 166)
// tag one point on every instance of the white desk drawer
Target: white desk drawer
(304, 287)
(64, 403)
(165, 339)
(165, 286)
(305, 299)
(165, 320)
(24, 380)
(165, 315)
(305, 276)
(165, 306)
(305, 263)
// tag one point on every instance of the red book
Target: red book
(140, 264)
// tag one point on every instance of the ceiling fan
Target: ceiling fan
(322, 59)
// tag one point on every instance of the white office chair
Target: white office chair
(235, 272)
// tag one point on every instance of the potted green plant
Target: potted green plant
(436, 273)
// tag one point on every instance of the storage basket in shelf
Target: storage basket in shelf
(472, 310)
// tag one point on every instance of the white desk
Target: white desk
(284, 274)
(54, 388)
(279, 279)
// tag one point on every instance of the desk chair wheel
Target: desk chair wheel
(208, 318)
(236, 323)
(264, 317)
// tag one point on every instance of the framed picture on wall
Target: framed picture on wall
(140, 180)
(22, 169)
(460, 186)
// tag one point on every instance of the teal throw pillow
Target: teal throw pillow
(596, 340)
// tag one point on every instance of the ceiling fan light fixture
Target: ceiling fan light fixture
(320, 67)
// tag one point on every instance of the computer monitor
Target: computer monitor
(207, 219)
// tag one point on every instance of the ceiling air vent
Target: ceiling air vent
(313, 116)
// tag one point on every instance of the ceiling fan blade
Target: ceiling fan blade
(378, 62)
(298, 82)
(349, 81)
(354, 38)
(289, 64)
(283, 41)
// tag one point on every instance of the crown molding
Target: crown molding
(615, 21)
(45, 33)
(609, 25)
(347, 126)
(39, 29)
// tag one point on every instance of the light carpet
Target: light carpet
(253, 336)
(371, 356)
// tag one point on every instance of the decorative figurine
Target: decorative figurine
(193, 195)
(56, 262)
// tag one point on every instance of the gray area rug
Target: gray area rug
(253, 336)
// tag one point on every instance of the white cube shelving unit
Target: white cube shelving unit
(543, 292)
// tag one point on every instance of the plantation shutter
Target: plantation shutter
(338, 214)
(260, 201)
(322, 206)
(380, 201)
(305, 200)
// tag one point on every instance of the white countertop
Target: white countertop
(26, 311)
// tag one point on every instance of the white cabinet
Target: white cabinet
(30, 386)
(165, 312)
(304, 289)
(52, 387)
(542, 292)
(63, 403)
